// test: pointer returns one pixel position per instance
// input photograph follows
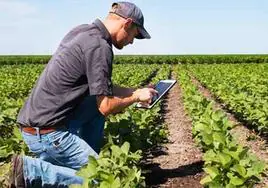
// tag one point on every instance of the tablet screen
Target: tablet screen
(161, 87)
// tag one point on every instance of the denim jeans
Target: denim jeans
(62, 152)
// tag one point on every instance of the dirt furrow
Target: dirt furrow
(179, 162)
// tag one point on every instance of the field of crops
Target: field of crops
(239, 83)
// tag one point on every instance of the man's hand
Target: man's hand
(144, 95)
(150, 85)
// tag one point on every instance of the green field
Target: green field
(238, 81)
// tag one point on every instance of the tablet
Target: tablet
(163, 86)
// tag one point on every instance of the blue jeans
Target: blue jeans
(62, 152)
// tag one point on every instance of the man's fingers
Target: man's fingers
(151, 86)
(144, 104)
(145, 94)
(153, 91)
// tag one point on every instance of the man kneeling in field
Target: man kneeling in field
(62, 121)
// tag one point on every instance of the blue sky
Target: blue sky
(177, 27)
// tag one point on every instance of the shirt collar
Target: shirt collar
(105, 33)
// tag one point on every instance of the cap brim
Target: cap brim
(143, 34)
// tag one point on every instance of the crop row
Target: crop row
(243, 88)
(150, 59)
(227, 164)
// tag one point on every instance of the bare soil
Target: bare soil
(177, 163)
(246, 137)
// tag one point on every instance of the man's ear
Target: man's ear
(128, 23)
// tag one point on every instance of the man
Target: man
(62, 120)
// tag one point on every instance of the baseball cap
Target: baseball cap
(130, 10)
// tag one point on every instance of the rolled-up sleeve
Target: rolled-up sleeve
(99, 70)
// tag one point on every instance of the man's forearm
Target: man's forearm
(123, 91)
(120, 104)
(113, 105)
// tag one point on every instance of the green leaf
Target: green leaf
(17, 133)
(240, 169)
(3, 152)
(217, 115)
(199, 126)
(206, 180)
(210, 155)
(244, 162)
(116, 151)
(212, 171)
(257, 168)
(230, 186)
(236, 181)
(224, 158)
(90, 169)
(116, 183)
(125, 147)
(105, 184)
(218, 138)
(207, 138)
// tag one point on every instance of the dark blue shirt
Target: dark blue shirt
(81, 66)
